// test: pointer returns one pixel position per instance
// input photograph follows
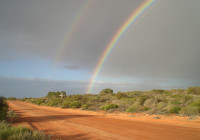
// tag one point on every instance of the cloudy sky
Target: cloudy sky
(48, 45)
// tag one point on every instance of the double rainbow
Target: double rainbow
(115, 39)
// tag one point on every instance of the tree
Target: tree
(106, 91)
(53, 94)
(63, 92)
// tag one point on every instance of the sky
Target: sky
(48, 45)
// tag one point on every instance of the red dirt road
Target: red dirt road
(66, 124)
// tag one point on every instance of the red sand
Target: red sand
(78, 124)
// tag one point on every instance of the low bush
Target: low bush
(194, 90)
(108, 107)
(175, 110)
(145, 108)
(3, 108)
(157, 101)
(150, 102)
(197, 103)
(75, 104)
(137, 108)
(131, 109)
(158, 91)
(190, 110)
(142, 99)
(120, 95)
(77, 97)
(11, 98)
(8, 132)
(39, 101)
(54, 102)
(85, 106)
(66, 104)
(176, 102)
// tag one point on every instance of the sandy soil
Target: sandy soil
(77, 124)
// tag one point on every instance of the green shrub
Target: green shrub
(107, 90)
(75, 104)
(175, 102)
(56, 94)
(24, 99)
(94, 99)
(104, 98)
(168, 93)
(145, 108)
(53, 94)
(3, 108)
(120, 95)
(142, 99)
(137, 108)
(175, 110)
(66, 104)
(157, 101)
(54, 102)
(190, 110)
(85, 106)
(194, 90)
(8, 132)
(3, 113)
(150, 102)
(197, 103)
(131, 109)
(77, 97)
(158, 91)
(102, 108)
(108, 107)
(11, 98)
(39, 101)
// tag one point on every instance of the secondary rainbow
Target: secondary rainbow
(136, 13)
(72, 29)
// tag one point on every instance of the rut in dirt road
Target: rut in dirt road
(64, 124)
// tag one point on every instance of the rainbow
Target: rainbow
(136, 13)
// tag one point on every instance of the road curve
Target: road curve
(65, 125)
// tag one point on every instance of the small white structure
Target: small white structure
(61, 95)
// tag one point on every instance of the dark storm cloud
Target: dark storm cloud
(163, 43)
(34, 27)
(38, 28)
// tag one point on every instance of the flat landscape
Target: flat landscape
(99, 70)
(76, 124)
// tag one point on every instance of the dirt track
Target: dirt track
(66, 124)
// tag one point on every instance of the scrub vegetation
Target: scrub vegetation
(176, 101)
(3, 108)
(9, 132)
